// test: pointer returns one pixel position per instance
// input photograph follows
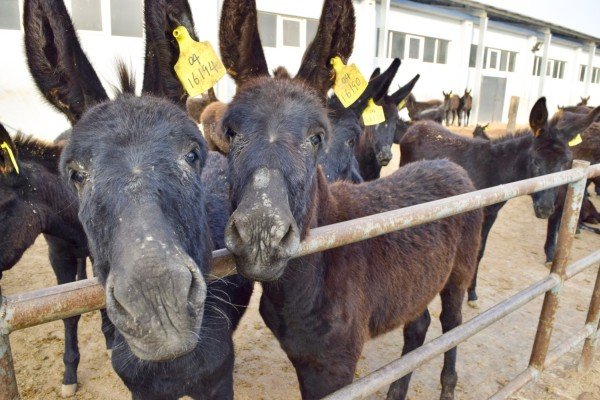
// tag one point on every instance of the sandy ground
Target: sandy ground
(513, 261)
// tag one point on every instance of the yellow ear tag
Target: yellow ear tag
(402, 105)
(576, 140)
(349, 83)
(6, 147)
(198, 67)
(373, 114)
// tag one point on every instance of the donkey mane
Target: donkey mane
(45, 153)
(127, 80)
(508, 136)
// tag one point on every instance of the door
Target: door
(491, 104)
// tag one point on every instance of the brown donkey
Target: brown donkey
(323, 308)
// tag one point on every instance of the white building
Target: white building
(438, 39)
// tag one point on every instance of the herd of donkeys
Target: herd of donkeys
(136, 187)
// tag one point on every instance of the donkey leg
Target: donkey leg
(488, 222)
(64, 265)
(451, 317)
(414, 336)
(552, 233)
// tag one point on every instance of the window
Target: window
(512, 59)
(311, 29)
(429, 53)
(442, 51)
(414, 48)
(291, 32)
(493, 58)
(473, 56)
(87, 14)
(595, 75)
(10, 17)
(267, 29)
(397, 41)
(426, 49)
(554, 68)
(126, 18)
(582, 70)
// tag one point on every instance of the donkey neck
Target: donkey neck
(510, 158)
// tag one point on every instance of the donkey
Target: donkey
(451, 107)
(152, 202)
(466, 103)
(34, 201)
(479, 132)
(415, 107)
(374, 149)
(323, 307)
(584, 101)
(492, 163)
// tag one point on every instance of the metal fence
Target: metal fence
(46, 305)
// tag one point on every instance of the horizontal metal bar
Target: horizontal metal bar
(396, 369)
(47, 305)
(576, 267)
(533, 374)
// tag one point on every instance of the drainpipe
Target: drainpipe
(382, 44)
(483, 22)
(590, 66)
(544, 66)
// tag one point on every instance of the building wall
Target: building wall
(22, 107)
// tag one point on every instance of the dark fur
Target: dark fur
(35, 201)
(136, 151)
(492, 163)
(323, 307)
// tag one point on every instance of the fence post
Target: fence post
(8, 381)
(512, 114)
(568, 226)
(592, 320)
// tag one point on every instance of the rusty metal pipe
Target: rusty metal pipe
(8, 381)
(533, 374)
(387, 374)
(568, 226)
(592, 320)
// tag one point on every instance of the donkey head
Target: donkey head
(380, 137)
(33, 198)
(584, 101)
(135, 165)
(479, 131)
(549, 151)
(277, 128)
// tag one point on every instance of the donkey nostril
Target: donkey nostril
(290, 241)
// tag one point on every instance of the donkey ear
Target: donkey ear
(375, 73)
(239, 41)
(377, 88)
(56, 61)
(404, 91)
(161, 17)
(8, 153)
(538, 117)
(570, 124)
(335, 37)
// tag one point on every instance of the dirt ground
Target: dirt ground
(514, 260)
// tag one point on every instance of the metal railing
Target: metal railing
(62, 301)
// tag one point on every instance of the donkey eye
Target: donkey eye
(78, 177)
(230, 133)
(351, 142)
(191, 157)
(316, 140)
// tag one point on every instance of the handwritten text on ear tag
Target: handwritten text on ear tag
(373, 114)
(576, 140)
(13, 160)
(349, 83)
(198, 67)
